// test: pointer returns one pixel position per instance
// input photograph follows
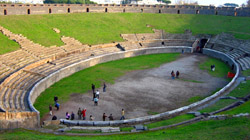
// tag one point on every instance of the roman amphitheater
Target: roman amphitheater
(27, 72)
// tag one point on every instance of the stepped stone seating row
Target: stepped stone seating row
(13, 92)
(158, 34)
(72, 45)
(244, 63)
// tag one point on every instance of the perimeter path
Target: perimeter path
(143, 91)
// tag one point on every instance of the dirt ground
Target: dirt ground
(143, 91)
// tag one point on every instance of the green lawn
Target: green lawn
(241, 91)
(174, 120)
(230, 129)
(7, 45)
(80, 82)
(246, 72)
(221, 68)
(96, 28)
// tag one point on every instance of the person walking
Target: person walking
(111, 117)
(104, 116)
(97, 94)
(104, 87)
(50, 110)
(84, 113)
(172, 75)
(67, 116)
(55, 99)
(177, 74)
(95, 101)
(79, 113)
(123, 115)
(57, 105)
(72, 117)
(93, 88)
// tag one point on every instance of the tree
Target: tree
(165, 1)
(248, 3)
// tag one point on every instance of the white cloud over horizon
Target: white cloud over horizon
(215, 2)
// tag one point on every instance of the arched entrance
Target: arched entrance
(28, 11)
(50, 11)
(106, 10)
(159, 10)
(178, 11)
(5, 12)
(68, 10)
(87, 10)
(141, 10)
(123, 10)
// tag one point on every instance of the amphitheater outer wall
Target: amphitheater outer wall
(27, 9)
(58, 75)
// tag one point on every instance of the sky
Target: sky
(215, 2)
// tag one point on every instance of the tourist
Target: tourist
(95, 101)
(84, 113)
(123, 115)
(93, 88)
(91, 118)
(50, 110)
(172, 75)
(94, 95)
(111, 117)
(212, 67)
(55, 99)
(57, 105)
(104, 116)
(79, 113)
(72, 117)
(97, 94)
(177, 74)
(67, 116)
(104, 87)
(54, 118)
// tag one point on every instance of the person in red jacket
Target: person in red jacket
(84, 113)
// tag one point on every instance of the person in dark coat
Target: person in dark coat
(54, 118)
(72, 117)
(104, 87)
(79, 113)
(55, 99)
(93, 88)
(111, 117)
(104, 116)
(177, 74)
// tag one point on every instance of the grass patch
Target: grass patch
(246, 72)
(221, 68)
(126, 129)
(244, 108)
(174, 120)
(7, 45)
(235, 128)
(96, 28)
(80, 82)
(152, 113)
(241, 91)
(195, 99)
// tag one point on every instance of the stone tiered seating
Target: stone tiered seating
(244, 62)
(14, 91)
(72, 44)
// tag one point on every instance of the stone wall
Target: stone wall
(11, 120)
(21, 9)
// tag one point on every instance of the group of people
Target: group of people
(96, 93)
(173, 75)
(82, 113)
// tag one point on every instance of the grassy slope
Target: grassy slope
(235, 128)
(241, 91)
(7, 45)
(96, 28)
(80, 82)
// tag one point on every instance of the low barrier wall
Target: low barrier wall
(11, 120)
(171, 113)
